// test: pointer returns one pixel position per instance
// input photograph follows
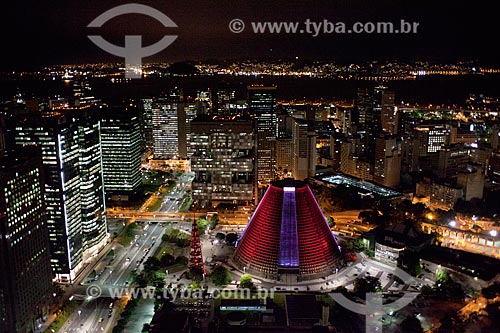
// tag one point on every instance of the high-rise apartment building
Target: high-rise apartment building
(121, 152)
(74, 190)
(25, 273)
(222, 161)
(262, 107)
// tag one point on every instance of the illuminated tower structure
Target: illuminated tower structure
(287, 236)
(262, 107)
(73, 185)
(25, 273)
(195, 255)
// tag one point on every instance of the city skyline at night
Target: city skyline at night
(249, 166)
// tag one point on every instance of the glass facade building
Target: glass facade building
(25, 273)
(262, 107)
(74, 191)
(121, 152)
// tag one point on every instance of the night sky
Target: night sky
(41, 32)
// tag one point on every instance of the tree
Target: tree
(412, 263)
(246, 281)
(220, 236)
(196, 274)
(331, 221)
(152, 264)
(358, 245)
(167, 260)
(367, 284)
(221, 276)
(442, 276)
(183, 260)
(365, 215)
(213, 221)
(411, 324)
(231, 238)
(202, 225)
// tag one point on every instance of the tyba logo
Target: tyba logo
(133, 52)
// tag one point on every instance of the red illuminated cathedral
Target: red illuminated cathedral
(288, 234)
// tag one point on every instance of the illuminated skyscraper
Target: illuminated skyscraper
(262, 107)
(165, 115)
(387, 166)
(146, 117)
(74, 191)
(222, 161)
(303, 149)
(25, 274)
(121, 152)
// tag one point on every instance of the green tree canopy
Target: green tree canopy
(221, 276)
(246, 281)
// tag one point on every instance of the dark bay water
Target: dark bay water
(425, 90)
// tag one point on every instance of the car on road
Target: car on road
(101, 319)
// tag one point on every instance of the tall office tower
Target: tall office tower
(351, 163)
(388, 115)
(3, 131)
(74, 191)
(187, 113)
(284, 157)
(222, 161)
(166, 112)
(262, 107)
(494, 166)
(25, 274)
(146, 117)
(452, 159)
(285, 124)
(92, 201)
(472, 181)
(431, 138)
(495, 136)
(303, 149)
(375, 114)
(387, 165)
(335, 150)
(363, 105)
(121, 153)
(82, 95)
(203, 102)
(344, 117)
(226, 101)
